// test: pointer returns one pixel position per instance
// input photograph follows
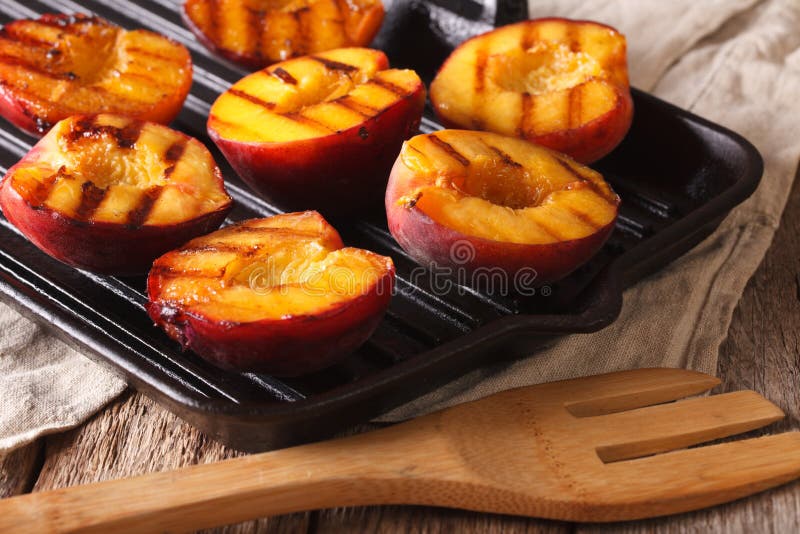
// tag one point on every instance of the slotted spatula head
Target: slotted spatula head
(613, 446)
(604, 448)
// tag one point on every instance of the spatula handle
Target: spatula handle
(364, 469)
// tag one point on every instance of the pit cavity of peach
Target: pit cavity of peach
(545, 67)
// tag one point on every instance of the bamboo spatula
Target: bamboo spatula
(590, 449)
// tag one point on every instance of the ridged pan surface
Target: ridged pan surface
(678, 176)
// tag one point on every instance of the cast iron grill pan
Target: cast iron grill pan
(678, 176)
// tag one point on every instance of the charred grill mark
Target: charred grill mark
(86, 127)
(250, 98)
(572, 39)
(508, 160)
(574, 107)
(265, 230)
(298, 116)
(578, 177)
(529, 36)
(581, 216)
(334, 65)
(221, 247)
(175, 151)
(138, 215)
(364, 110)
(167, 271)
(221, 122)
(127, 135)
(10, 33)
(145, 80)
(481, 57)
(447, 147)
(147, 53)
(284, 76)
(41, 193)
(549, 231)
(525, 127)
(389, 86)
(83, 127)
(36, 69)
(582, 181)
(91, 198)
(173, 155)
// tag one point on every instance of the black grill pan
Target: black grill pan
(678, 176)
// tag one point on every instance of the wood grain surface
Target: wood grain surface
(134, 435)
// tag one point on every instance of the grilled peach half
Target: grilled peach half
(560, 83)
(60, 65)
(279, 295)
(257, 33)
(481, 201)
(110, 194)
(319, 132)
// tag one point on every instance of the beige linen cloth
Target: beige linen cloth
(736, 62)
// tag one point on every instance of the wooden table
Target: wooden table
(134, 435)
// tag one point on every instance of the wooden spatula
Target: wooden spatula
(590, 449)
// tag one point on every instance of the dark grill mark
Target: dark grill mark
(529, 37)
(142, 52)
(449, 149)
(582, 216)
(508, 160)
(334, 65)
(480, 69)
(138, 215)
(42, 191)
(86, 127)
(582, 180)
(284, 76)
(10, 33)
(146, 80)
(91, 198)
(127, 135)
(221, 247)
(175, 151)
(357, 107)
(173, 155)
(549, 231)
(572, 39)
(299, 117)
(219, 122)
(525, 127)
(167, 271)
(265, 230)
(251, 98)
(389, 86)
(571, 170)
(36, 69)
